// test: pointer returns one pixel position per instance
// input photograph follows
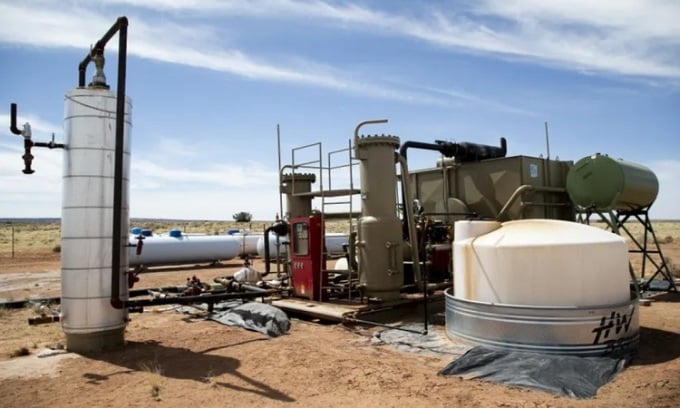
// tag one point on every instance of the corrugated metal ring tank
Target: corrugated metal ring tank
(603, 183)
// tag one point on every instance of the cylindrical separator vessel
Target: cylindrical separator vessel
(379, 239)
(88, 319)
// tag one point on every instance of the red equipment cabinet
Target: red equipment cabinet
(308, 257)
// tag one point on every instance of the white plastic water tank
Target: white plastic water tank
(88, 319)
(540, 263)
(166, 249)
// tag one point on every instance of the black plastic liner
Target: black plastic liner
(259, 317)
(571, 376)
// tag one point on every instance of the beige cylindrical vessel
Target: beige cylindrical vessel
(379, 246)
(87, 317)
(381, 269)
(291, 186)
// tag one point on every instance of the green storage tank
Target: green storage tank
(603, 183)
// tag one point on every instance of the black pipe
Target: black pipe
(49, 145)
(403, 153)
(118, 160)
(280, 228)
(82, 67)
(28, 157)
(28, 143)
(354, 320)
(119, 26)
(463, 152)
(470, 152)
(419, 145)
(185, 300)
(267, 267)
(99, 48)
(13, 119)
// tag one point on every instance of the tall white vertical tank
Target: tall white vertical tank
(88, 319)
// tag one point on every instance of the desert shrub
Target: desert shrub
(673, 268)
(56, 249)
(243, 216)
(21, 351)
(667, 240)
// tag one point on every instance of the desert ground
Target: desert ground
(173, 359)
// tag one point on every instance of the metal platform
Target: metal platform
(322, 310)
(341, 310)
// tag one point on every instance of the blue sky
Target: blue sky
(211, 79)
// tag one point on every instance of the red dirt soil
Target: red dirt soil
(175, 360)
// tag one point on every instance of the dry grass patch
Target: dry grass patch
(673, 267)
(29, 236)
(15, 332)
(154, 376)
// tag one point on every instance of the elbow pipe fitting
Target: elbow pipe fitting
(13, 119)
(120, 25)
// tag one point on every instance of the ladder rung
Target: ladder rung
(328, 193)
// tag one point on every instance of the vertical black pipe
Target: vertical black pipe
(267, 258)
(82, 67)
(13, 119)
(117, 246)
(280, 228)
(403, 153)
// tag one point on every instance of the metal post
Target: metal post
(278, 144)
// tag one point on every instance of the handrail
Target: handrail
(523, 189)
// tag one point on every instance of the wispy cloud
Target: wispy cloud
(46, 181)
(207, 191)
(243, 174)
(157, 188)
(631, 37)
(495, 105)
(69, 25)
(38, 125)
